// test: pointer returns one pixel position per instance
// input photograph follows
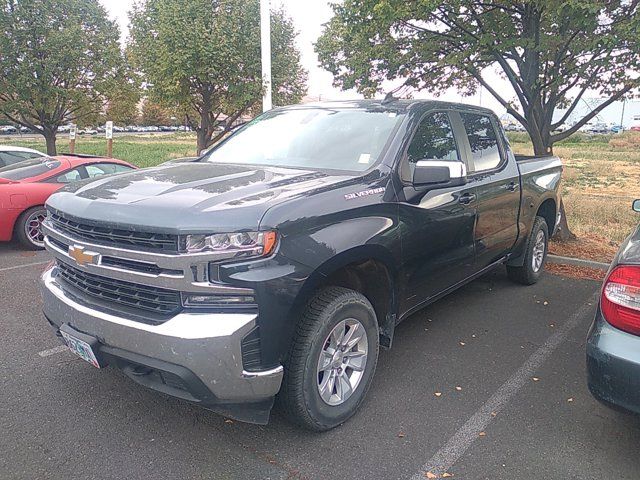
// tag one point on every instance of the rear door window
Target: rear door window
(483, 140)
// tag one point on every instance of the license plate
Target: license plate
(80, 348)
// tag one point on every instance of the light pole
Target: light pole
(265, 45)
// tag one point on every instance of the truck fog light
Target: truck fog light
(203, 300)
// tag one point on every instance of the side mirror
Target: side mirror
(439, 173)
(636, 205)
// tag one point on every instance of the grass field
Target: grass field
(601, 178)
(141, 150)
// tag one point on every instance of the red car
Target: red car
(25, 187)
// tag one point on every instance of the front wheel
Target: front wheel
(28, 228)
(535, 255)
(332, 359)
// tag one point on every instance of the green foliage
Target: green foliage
(123, 103)
(204, 56)
(550, 51)
(154, 114)
(59, 61)
(123, 109)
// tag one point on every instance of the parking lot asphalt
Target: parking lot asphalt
(507, 362)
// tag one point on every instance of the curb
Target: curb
(578, 262)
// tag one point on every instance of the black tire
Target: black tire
(21, 228)
(299, 397)
(527, 273)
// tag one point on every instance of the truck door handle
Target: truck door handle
(467, 198)
(512, 187)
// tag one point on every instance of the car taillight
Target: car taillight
(621, 298)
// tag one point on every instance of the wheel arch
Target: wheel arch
(18, 218)
(548, 210)
(368, 269)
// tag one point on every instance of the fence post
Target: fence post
(109, 134)
(72, 139)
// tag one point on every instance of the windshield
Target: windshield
(312, 137)
(29, 168)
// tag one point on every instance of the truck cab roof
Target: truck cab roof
(398, 105)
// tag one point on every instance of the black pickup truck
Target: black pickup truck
(274, 266)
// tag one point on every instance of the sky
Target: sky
(310, 15)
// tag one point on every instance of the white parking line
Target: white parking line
(458, 444)
(53, 351)
(5, 269)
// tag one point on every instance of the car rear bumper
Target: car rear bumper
(194, 356)
(613, 365)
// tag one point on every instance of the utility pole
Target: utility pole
(624, 103)
(265, 44)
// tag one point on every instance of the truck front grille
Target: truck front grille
(119, 293)
(115, 237)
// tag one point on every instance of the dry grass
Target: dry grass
(584, 273)
(605, 216)
(588, 246)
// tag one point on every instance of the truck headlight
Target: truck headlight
(242, 244)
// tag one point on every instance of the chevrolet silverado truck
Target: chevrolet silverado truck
(273, 267)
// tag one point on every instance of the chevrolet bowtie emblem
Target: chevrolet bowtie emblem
(82, 257)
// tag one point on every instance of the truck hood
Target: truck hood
(188, 197)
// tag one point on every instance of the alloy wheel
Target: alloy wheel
(538, 251)
(32, 227)
(342, 361)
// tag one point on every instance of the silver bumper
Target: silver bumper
(207, 344)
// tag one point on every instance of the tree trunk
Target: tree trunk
(203, 138)
(50, 138)
(563, 233)
(204, 130)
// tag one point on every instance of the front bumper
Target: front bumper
(194, 356)
(613, 365)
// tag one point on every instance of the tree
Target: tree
(123, 108)
(154, 114)
(91, 119)
(58, 61)
(551, 52)
(204, 56)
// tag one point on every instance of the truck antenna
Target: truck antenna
(388, 98)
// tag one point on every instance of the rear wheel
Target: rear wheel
(535, 255)
(28, 228)
(332, 359)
